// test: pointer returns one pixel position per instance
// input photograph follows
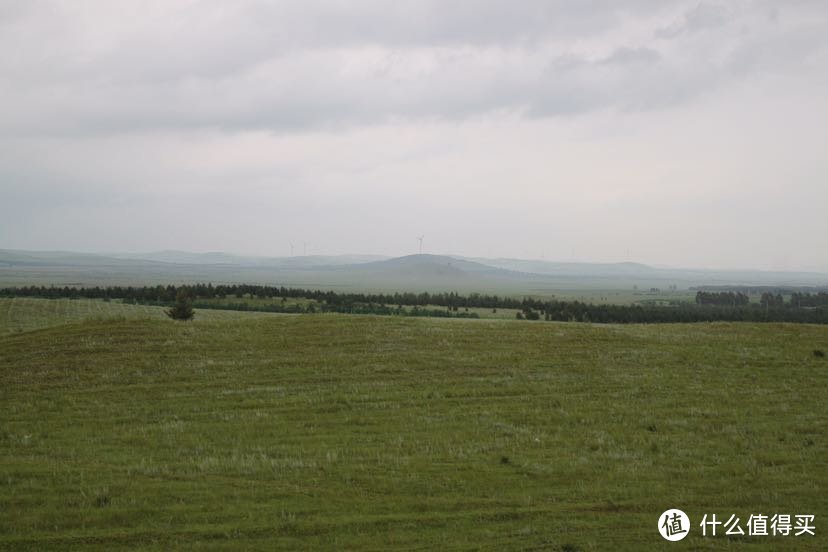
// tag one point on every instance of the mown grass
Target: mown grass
(359, 432)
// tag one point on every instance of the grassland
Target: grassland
(257, 302)
(124, 429)
(22, 314)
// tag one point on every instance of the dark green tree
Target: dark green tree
(183, 308)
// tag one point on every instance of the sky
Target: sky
(678, 133)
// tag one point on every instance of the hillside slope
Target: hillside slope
(340, 432)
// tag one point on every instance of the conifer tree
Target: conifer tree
(183, 309)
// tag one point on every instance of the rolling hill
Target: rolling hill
(422, 272)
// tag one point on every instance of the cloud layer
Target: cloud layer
(116, 112)
(115, 67)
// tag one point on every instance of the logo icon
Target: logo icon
(673, 525)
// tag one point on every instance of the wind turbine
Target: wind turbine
(291, 248)
(420, 239)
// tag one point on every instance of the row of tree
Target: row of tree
(166, 294)
(769, 299)
(722, 298)
(709, 306)
(759, 290)
(808, 300)
(351, 308)
(587, 312)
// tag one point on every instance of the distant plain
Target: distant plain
(620, 283)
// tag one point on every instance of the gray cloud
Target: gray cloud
(274, 64)
(109, 67)
(626, 55)
(552, 124)
(701, 17)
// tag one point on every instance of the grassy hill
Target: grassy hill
(340, 432)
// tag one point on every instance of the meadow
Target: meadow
(20, 314)
(120, 428)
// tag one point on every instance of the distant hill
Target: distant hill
(428, 272)
(183, 257)
(370, 272)
(569, 268)
(442, 264)
(656, 275)
(219, 258)
(10, 257)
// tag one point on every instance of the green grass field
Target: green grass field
(120, 429)
(22, 314)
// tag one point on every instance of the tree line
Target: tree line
(708, 307)
(722, 298)
(686, 312)
(808, 300)
(350, 308)
(758, 290)
(769, 298)
(166, 294)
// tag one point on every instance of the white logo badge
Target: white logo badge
(673, 525)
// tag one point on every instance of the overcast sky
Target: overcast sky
(665, 132)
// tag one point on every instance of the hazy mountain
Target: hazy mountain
(568, 268)
(369, 272)
(442, 264)
(318, 261)
(628, 270)
(219, 258)
(183, 257)
(427, 272)
(9, 257)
